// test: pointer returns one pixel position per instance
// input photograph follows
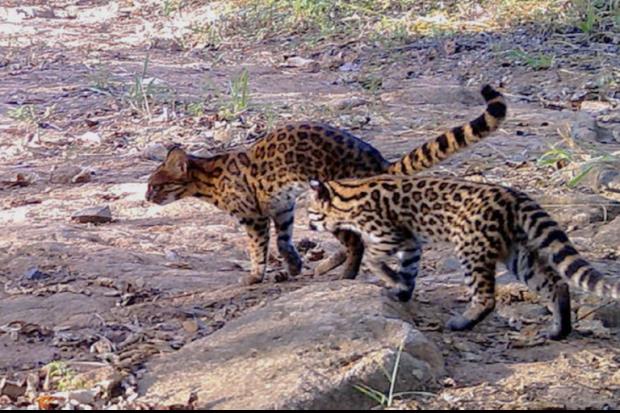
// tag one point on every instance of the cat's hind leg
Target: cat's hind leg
(284, 220)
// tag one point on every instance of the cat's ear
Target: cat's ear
(177, 162)
(321, 190)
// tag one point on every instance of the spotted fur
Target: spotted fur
(261, 184)
(485, 223)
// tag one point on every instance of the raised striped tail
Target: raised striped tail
(450, 142)
(546, 237)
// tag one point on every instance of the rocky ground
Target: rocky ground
(128, 310)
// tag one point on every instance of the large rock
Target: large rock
(306, 350)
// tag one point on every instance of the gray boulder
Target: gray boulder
(306, 350)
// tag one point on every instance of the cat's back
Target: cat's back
(428, 182)
(318, 149)
(431, 192)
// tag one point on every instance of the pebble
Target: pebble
(155, 152)
(34, 274)
(94, 215)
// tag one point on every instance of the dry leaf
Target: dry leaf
(49, 402)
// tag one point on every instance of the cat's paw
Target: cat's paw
(281, 276)
(460, 323)
(294, 266)
(398, 294)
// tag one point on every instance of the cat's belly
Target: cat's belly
(284, 198)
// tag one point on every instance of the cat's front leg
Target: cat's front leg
(258, 246)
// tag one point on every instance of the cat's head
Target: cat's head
(171, 180)
(320, 211)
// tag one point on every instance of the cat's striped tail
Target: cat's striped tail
(450, 142)
(546, 237)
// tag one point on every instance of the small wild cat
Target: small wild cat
(261, 184)
(485, 223)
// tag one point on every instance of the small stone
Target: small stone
(472, 357)
(155, 152)
(82, 396)
(526, 90)
(140, 283)
(449, 382)
(354, 121)
(93, 215)
(84, 176)
(20, 180)
(349, 103)
(350, 67)
(11, 389)
(463, 346)
(74, 398)
(584, 128)
(102, 346)
(595, 106)
(332, 60)
(611, 118)
(91, 138)
(191, 326)
(202, 152)
(306, 65)
(34, 274)
(171, 255)
(91, 123)
(65, 174)
(166, 44)
(5, 401)
(578, 96)
(107, 378)
(608, 183)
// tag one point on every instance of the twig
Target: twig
(493, 148)
(595, 310)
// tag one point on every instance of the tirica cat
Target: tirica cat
(261, 184)
(485, 223)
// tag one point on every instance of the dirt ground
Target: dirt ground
(156, 278)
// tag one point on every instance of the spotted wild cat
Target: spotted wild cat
(261, 184)
(485, 223)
